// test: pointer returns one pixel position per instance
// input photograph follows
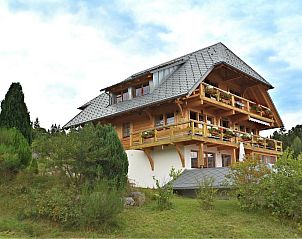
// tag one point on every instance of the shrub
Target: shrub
(249, 180)
(100, 205)
(278, 190)
(206, 193)
(164, 195)
(15, 153)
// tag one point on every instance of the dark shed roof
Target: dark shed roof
(191, 178)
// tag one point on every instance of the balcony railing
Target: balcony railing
(184, 131)
(227, 98)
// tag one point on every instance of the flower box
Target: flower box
(255, 109)
(245, 137)
(228, 134)
(210, 91)
(214, 131)
(148, 134)
(268, 113)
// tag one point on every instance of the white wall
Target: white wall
(139, 171)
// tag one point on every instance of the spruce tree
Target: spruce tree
(14, 113)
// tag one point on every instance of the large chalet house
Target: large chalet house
(190, 112)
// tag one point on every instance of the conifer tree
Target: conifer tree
(14, 112)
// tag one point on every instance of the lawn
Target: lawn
(184, 220)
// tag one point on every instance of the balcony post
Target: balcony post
(141, 138)
(155, 135)
(233, 100)
(201, 91)
(200, 156)
(131, 139)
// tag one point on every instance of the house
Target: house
(191, 112)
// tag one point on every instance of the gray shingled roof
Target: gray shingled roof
(191, 178)
(194, 69)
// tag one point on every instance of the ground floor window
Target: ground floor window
(267, 159)
(194, 159)
(209, 160)
(226, 160)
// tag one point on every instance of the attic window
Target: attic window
(143, 89)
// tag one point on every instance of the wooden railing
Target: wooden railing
(214, 93)
(174, 132)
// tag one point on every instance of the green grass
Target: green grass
(184, 220)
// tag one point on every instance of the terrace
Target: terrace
(191, 131)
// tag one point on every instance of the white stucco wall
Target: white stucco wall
(166, 157)
(139, 171)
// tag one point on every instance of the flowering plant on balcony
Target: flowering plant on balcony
(228, 133)
(246, 137)
(255, 108)
(260, 141)
(211, 91)
(268, 113)
(148, 134)
(214, 131)
(270, 144)
(225, 95)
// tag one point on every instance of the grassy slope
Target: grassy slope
(185, 220)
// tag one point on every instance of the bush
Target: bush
(164, 195)
(15, 153)
(278, 190)
(249, 179)
(100, 205)
(206, 193)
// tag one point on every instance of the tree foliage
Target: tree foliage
(89, 154)
(278, 190)
(14, 112)
(291, 139)
(15, 153)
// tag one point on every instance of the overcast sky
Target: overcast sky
(64, 52)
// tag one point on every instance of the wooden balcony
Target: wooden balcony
(192, 131)
(228, 101)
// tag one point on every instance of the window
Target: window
(194, 159)
(242, 128)
(235, 92)
(164, 119)
(268, 159)
(211, 83)
(120, 96)
(225, 123)
(143, 89)
(126, 130)
(209, 160)
(226, 160)
(170, 118)
(159, 120)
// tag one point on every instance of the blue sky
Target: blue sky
(63, 52)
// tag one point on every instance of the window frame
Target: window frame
(127, 133)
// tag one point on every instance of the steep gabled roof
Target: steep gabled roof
(193, 69)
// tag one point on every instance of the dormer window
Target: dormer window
(142, 89)
(120, 96)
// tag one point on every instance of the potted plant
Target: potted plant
(270, 144)
(148, 134)
(239, 104)
(211, 91)
(225, 97)
(260, 141)
(268, 113)
(246, 137)
(228, 134)
(214, 131)
(255, 109)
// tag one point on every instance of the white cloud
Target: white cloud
(63, 60)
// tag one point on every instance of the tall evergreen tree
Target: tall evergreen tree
(14, 112)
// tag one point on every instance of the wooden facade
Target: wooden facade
(227, 108)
